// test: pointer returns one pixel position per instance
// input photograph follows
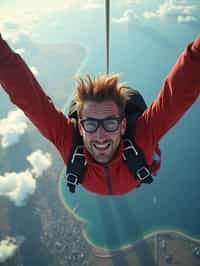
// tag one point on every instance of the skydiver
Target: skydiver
(100, 103)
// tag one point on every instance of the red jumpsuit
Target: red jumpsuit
(179, 91)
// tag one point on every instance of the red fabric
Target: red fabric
(179, 91)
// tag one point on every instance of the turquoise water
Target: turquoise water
(144, 54)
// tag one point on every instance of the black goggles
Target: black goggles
(110, 124)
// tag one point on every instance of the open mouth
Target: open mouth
(101, 147)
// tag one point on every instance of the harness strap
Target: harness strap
(136, 163)
(77, 163)
(75, 169)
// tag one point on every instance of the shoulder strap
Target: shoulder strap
(134, 158)
(132, 154)
(77, 163)
(131, 119)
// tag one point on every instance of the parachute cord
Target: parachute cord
(107, 34)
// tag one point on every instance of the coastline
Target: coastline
(104, 252)
(109, 253)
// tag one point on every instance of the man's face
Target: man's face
(102, 144)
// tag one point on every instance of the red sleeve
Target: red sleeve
(25, 92)
(180, 90)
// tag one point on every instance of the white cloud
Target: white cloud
(120, 20)
(39, 161)
(17, 186)
(91, 4)
(172, 8)
(30, 15)
(128, 16)
(150, 15)
(12, 127)
(186, 19)
(129, 2)
(16, 21)
(21, 22)
(8, 248)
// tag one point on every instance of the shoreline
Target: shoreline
(104, 252)
(108, 253)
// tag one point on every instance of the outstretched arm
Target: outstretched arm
(180, 90)
(25, 91)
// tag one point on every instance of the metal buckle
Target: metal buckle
(130, 146)
(72, 182)
(78, 153)
(139, 173)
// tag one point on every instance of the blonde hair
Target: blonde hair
(100, 88)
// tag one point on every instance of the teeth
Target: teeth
(101, 146)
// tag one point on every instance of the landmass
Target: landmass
(159, 248)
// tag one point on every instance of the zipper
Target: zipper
(108, 179)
